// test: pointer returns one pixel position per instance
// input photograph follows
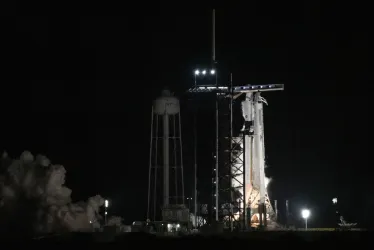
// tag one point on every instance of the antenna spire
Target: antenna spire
(214, 36)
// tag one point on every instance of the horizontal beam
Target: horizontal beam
(237, 89)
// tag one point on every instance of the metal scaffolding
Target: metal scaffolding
(230, 199)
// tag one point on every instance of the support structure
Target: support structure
(287, 214)
(195, 171)
(240, 196)
(242, 199)
(166, 158)
(276, 210)
(214, 62)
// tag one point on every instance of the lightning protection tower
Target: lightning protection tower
(165, 183)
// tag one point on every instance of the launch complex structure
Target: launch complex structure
(240, 197)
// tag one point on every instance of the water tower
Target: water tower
(165, 183)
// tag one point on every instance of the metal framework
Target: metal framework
(231, 182)
(232, 206)
(236, 89)
(165, 164)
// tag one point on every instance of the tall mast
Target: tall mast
(214, 37)
(217, 114)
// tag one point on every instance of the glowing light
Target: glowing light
(204, 72)
(197, 72)
(305, 213)
(212, 72)
(335, 200)
(106, 203)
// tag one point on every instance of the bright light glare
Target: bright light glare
(212, 72)
(267, 180)
(106, 203)
(305, 213)
(197, 72)
(204, 72)
(106, 212)
(335, 200)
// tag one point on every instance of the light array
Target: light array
(204, 72)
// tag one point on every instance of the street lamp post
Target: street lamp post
(106, 211)
(335, 204)
(305, 213)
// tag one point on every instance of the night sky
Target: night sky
(79, 89)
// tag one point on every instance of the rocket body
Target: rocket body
(254, 155)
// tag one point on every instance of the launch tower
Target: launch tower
(240, 194)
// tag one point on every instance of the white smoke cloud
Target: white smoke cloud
(33, 194)
(115, 221)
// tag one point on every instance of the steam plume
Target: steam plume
(33, 198)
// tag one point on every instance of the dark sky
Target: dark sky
(79, 90)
